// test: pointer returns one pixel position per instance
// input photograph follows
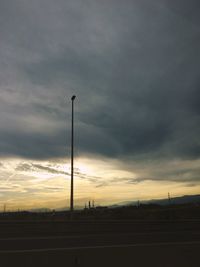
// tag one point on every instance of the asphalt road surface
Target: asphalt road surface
(111, 243)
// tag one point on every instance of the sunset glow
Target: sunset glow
(134, 69)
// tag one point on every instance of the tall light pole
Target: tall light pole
(72, 158)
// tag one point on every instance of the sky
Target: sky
(134, 66)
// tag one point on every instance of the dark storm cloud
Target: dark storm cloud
(187, 9)
(181, 174)
(172, 176)
(133, 65)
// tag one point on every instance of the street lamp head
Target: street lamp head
(73, 97)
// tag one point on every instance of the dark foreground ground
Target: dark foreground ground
(162, 243)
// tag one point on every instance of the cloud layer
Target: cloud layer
(134, 67)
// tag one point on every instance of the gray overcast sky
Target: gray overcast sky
(134, 66)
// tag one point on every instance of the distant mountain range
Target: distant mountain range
(175, 200)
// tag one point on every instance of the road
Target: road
(163, 244)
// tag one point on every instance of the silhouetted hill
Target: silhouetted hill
(39, 210)
(175, 200)
(178, 200)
